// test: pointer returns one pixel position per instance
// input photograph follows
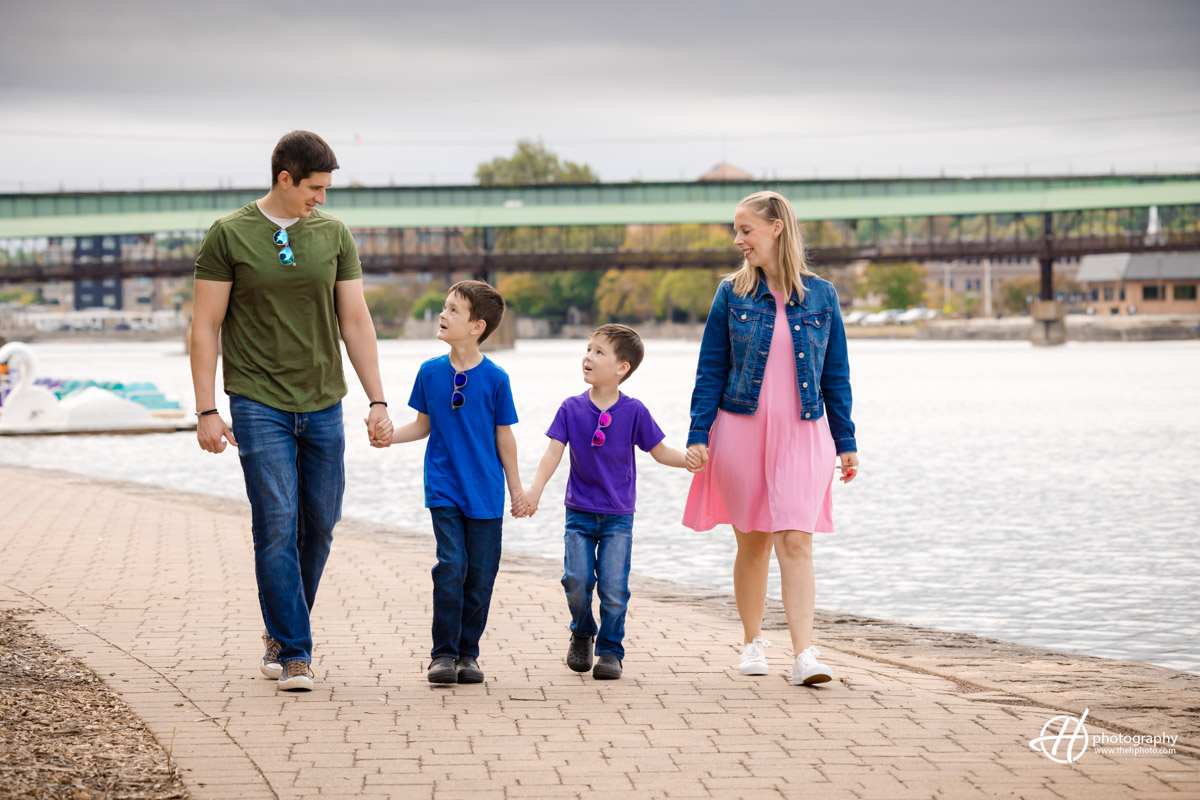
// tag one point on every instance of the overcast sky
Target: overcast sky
(167, 94)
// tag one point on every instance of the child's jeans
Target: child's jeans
(468, 558)
(598, 549)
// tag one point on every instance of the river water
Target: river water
(1046, 496)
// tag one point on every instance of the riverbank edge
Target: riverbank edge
(1125, 696)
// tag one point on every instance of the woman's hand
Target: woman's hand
(849, 466)
(697, 457)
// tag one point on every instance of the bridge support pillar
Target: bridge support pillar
(1049, 317)
(1049, 323)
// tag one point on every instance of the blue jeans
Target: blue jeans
(468, 558)
(295, 475)
(598, 550)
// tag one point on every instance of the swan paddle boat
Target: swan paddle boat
(33, 406)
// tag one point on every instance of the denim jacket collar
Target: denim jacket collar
(763, 292)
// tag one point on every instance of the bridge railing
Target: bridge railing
(1070, 233)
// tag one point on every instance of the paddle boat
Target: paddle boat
(33, 406)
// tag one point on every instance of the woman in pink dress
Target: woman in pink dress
(770, 416)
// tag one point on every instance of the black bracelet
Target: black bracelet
(377, 403)
(206, 413)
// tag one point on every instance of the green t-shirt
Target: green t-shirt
(279, 340)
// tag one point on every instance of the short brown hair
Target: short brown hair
(301, 153)
(486, 304)
(626, 344)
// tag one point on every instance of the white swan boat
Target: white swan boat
(29, 409)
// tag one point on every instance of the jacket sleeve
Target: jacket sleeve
(835, 385)
(712, 369)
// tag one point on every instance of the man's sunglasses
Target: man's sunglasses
(286, 257)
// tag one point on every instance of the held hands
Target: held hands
(379, 427)
(211, 433)
(697, 458)
(522, 505)
(849, 466)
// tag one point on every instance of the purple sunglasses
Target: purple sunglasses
(604, 421)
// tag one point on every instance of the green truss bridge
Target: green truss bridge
(484, 230)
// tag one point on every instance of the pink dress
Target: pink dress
(772, 471)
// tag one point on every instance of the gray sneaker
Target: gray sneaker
(270, 666)
(297, 676)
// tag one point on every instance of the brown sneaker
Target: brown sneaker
(270, 666)
(297, 676)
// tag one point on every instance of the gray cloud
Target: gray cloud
(483, 71)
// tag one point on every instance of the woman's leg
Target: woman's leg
(750, 568)
(794, 551)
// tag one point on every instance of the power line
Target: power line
(793, 136)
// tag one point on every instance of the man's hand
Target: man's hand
(697, 458)
(379, 426)
(211, 433)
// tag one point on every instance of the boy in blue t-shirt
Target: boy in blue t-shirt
(602, 426)
(464, 405)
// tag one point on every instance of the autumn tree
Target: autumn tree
(902, 285)
(685, 291)
(626, 295)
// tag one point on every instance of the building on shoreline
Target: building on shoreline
(1148, 283)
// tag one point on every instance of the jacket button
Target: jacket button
(797, 327)
(818, 323)
(807, 415)
(804, 385)
(743, 316)
(799, 355)
(791, 302)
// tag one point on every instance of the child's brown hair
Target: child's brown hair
(626, 344)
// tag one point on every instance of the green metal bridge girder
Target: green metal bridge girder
(601, 204)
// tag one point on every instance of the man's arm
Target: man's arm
(358, 332)
(210, 301)
(506, 446)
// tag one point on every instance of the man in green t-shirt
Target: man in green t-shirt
(279, 280)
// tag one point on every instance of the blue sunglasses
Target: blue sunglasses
(286, 257)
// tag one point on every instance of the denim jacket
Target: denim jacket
(733, 358)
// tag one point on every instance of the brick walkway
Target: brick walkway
(154, 590)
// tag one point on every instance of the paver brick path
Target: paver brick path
(154, 590)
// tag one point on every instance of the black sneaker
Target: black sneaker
(441, 670)
(468, 670)
(608, 668)
(579, 654)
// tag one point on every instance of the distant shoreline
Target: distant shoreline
(1080, 327)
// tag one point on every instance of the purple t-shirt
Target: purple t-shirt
(603, 479)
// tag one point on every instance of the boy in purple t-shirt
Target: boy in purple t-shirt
(602, 426)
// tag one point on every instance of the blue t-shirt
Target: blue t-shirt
(462, 464)
(603, 479)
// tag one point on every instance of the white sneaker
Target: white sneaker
(754, 657)
(807, 670)
(297, 676)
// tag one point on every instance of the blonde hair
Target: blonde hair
(773, 206)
